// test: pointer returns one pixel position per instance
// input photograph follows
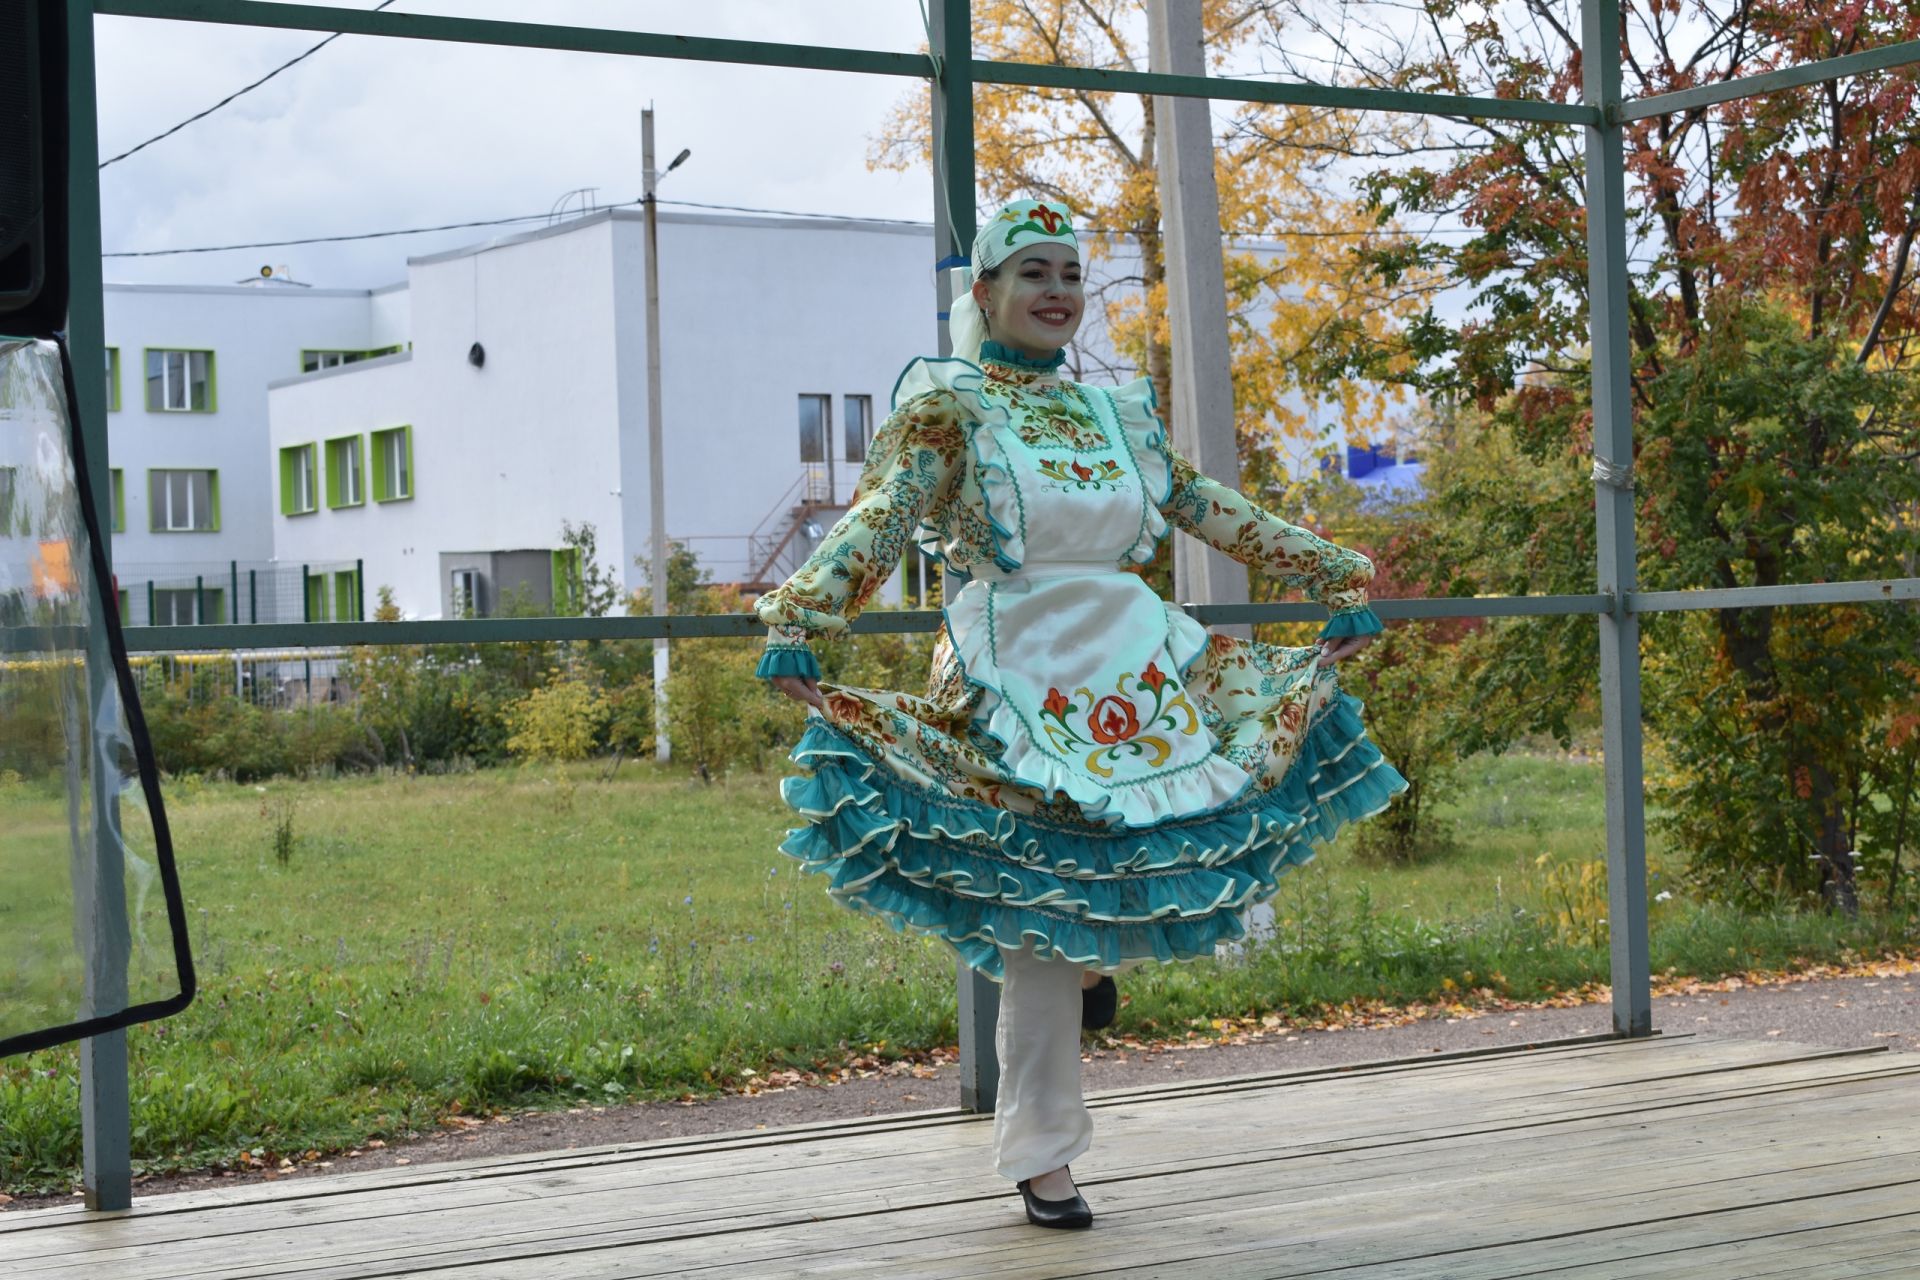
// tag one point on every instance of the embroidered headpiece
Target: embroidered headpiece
(1013, 228)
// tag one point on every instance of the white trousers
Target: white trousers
(1040, 1120)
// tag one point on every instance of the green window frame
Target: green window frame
(189, 606)
(113, 379)
(313, 359)
(291, 459)
(316, 603)
(119, 499)
(9, 477)
(393, 464)
(346, 471)
(181, 380)
(568, 589)
(180, 505)
(346, 596)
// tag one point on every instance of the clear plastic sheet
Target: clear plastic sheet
(92, 930)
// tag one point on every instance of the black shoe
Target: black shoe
(1070, 1214)
(1099, 1003)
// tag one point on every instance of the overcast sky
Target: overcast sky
(373, 134)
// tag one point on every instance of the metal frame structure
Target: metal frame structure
(952, 71)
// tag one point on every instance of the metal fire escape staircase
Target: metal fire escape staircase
(807, 497)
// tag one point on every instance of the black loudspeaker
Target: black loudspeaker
(33, 167)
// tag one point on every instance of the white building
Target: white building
(282, 452)
(194, 492)
(449, 469)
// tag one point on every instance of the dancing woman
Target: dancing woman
(1091, 780)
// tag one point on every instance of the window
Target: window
(393, 464)
(183, 501)
(316, 603)
(6, 501)
(859, 428)
(814, 427)
(179, 381)
(188, 606)
(346, 596)
(299, 480)
(119, 499)
(113, 379)
(567, 587)
(346, 469)
(467, 602)
(314, 359)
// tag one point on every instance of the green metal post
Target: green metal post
(953, 227)
(1613, 515)
(100, 890)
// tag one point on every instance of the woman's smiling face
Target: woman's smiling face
(1035, 300)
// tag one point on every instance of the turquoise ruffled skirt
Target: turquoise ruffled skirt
(982, 877)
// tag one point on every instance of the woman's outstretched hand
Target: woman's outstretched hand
(799, 689)
(1331, 651)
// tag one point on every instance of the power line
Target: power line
(361, 235)
(691, 204)
(168, 133)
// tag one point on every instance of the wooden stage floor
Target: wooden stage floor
(1672, 1156)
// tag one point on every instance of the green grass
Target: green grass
(518, 938)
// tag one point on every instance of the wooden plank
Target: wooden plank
(1472, 1065)
(1499, 1057)
(1327, 1137)
(695, 1184)
(353, 1183)
(882, 1228)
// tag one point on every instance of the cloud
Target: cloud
(372, 134)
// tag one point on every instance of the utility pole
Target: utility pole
(656, 451)
(1202, 408)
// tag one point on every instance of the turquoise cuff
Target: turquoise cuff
(1352, 622)
(787, 660)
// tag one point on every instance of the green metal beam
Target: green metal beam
(1852, 64)
(101, 923)
(1613, 509)
(327, 635)
(1787, 594)
(535, 35)
(523, 35)
(1344, 97)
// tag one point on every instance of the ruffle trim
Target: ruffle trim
(788, 660)
(981, 878)
(1134, 409)
(1353, 622)
(963, 380)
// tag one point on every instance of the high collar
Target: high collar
(1003, 364)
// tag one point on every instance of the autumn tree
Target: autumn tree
(1772, 318)
(1096, 152)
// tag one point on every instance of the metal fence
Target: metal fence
(239, 592)
(951, 72)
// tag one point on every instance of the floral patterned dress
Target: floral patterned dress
(1090, 774)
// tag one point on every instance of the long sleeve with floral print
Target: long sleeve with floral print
(1233, 523)
(913, 461)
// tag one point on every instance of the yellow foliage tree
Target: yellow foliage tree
(558, 721)
(1288, 268)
